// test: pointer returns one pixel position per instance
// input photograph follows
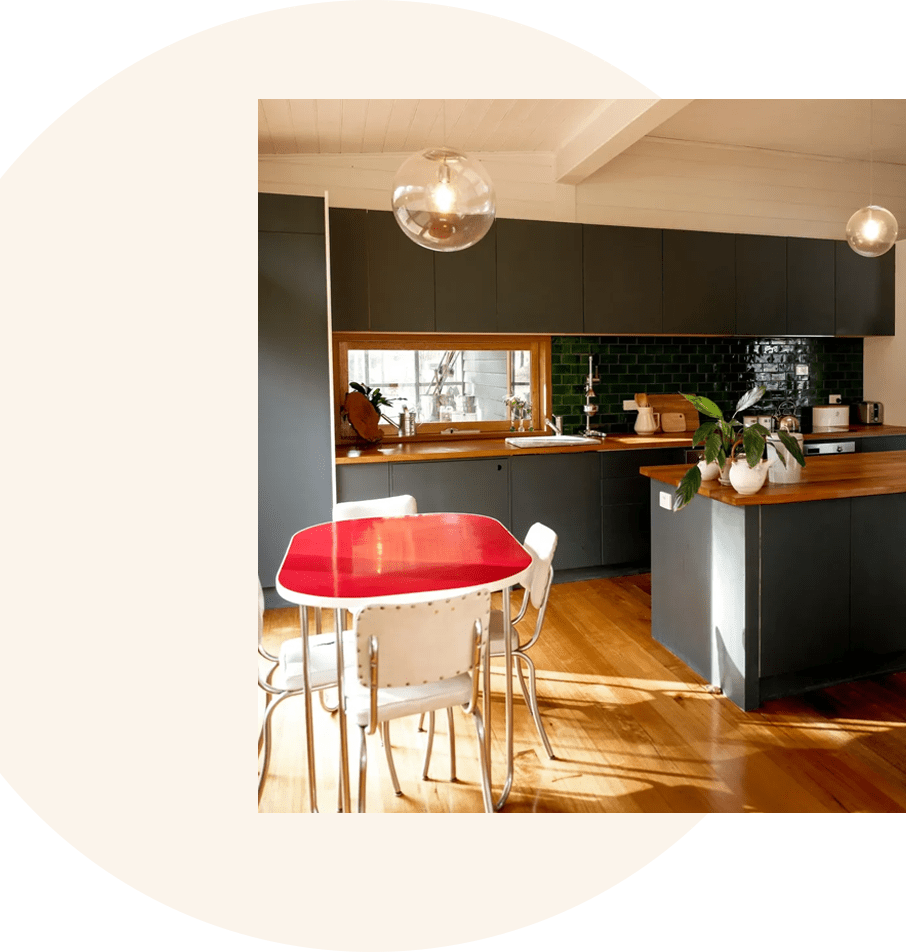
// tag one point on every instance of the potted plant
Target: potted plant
(729, 444)
(362, 410)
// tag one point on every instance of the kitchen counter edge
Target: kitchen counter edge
(420, 451)
(831, 477)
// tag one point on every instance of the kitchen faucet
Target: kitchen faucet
(556, 424)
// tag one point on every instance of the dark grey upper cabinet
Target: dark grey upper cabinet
(465, 283)
(349, 269)
(400, 278)
(810, 287)
(699, 282)
(539, 276)
(623, 284)
(295, 438)
(865, 293)
(761, 285)
(295, 214)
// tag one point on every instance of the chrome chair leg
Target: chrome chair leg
(363, 766)
(267, 678)
(452, 745)
(331, 709)
(265, 738)
(483, 759)
(531, 699)
(421, 723)
(429, 745)
(385, 732)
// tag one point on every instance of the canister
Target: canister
(778, 473)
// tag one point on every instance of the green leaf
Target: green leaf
(713, 446)
(704, 405)
(688, 487)
(753, 443)
(702, 433)
(763, 430)
(792, 444)
(359, 387)
(749, 398)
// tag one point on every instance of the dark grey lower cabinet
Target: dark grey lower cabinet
(597, 503)
(881, 444)
(563, 492)
(479, 486)
(774, 600)
(625, 504)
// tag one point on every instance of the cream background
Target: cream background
(130, 258)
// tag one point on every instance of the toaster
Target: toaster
(870, 412)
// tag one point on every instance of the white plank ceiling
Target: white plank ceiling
(829, 128)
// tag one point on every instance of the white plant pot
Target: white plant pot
(708, 470)
(747, 480)
(724, 476)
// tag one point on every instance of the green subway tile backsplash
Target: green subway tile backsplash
(720, 368)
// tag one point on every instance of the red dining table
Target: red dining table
(354, 563)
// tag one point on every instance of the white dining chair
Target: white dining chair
(415, 658)
(287, 678)
(365, 509)
(375, 508)
(541, 542)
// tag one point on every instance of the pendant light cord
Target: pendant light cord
(871, 153)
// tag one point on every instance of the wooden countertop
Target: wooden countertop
(832, 477)
(399, 451)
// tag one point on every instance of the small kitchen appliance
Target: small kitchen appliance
(870, 412)
(833, 415)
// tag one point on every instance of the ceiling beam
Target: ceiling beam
(611, 130)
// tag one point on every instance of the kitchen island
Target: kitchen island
(799, 586)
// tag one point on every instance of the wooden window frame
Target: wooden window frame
(538, 346)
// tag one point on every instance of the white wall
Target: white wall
(656, 183)
(885, 357)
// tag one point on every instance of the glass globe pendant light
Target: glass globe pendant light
(443, 200)
(872, 230)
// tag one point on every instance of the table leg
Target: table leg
(508, 677)
(341, 711)
(309, 728)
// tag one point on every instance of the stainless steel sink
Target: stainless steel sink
(527, 442)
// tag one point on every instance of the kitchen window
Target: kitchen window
(454, 383)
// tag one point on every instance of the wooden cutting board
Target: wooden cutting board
(673, 403)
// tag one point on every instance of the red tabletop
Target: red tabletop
(385, 559)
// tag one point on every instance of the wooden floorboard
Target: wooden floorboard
(633, 730)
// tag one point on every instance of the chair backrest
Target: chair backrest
(260, 613)
(422, 642)
(541, 543)
(366, 508)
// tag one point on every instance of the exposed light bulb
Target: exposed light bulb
(871, 231)
(443, 200)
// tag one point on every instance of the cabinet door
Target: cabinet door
(539, 277)
(761, 285)
(349, 269)
(881, 444)
(479, 486)
(295, 442)
(466, 287)
(562, 492)
(878, 592)
(810, 287)
(400, 278)
(622, 275)
(361, 481)
(626, 505)
(812, 627)
(699, 282)
(294, 214)
(865, 293)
